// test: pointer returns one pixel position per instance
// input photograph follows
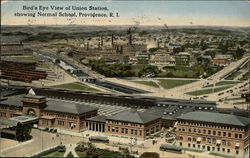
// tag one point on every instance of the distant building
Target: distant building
(12, 49)
(183, 59)
(222, 60)
(214, 132)
(162, 58)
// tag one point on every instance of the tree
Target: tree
(23, 132)
(150, 155)
(125, 153)
(91, 151)
(70, 155)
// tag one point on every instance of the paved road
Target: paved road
(41, 141)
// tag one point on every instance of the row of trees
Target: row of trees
(122, 70)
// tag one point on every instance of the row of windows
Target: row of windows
(209, 148)
(215, 133)
(61, 115)
(125, 123)
(208, 125)
(2, 114)
(208, 140)
(125, 130)
(45, 122)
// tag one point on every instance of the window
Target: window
(224, 142)
(116, 129)
(223, 149)
(219, 133)
(113, 129)
(193, 145)
(213, 148)
(180, 143)
(228, 150)
(214, 132)
(204, 131)
(108, 128)
(194, 139)
(204, 139)
(183, 129)
(181, 138)
(209, 131)
(237, 152)
(135, 132)
(229, 143)
(236, 135)
(203, 147)
(132, 131)
(214, 140)
(126, 130)
(224, 134)
(140, 132)
(240, 136)
(209, 140)
(189, 138)
(194, 129)
(189, 145)
(122, 130)
(218, 149)
(199, 131)
(199, 146)
(229, 134)
(189, 129)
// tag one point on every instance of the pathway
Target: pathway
(70, 148)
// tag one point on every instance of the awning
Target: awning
(218, 141)
(199, 139)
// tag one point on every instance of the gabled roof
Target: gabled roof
(66, 107)
(98, 118)
(134, 117)
(218, 118)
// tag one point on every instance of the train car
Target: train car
(99, 139)
(170, 148)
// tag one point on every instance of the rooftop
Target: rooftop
(134, 117)
(67, 107)
(98, 118)
(215, 118)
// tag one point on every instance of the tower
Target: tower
(33, 105)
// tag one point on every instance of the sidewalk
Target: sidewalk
(70, 148)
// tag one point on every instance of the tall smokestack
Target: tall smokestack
(130, 38)
(101, 41)
(112, 40)
(87, 45)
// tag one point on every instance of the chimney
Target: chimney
(87, 45)
(112, 40)
(99, 45)
(158, 44)
(101, 41)
(130, 38)
(121, 49)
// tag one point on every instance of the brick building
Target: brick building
(214, 132)
(132, 123)
(12, 49)
(50, 113)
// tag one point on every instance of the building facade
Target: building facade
(214, 132)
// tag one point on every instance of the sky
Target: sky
(170, 12)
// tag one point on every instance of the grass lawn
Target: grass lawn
(167, 84)
(207, 91)
(233, 75)
(193, 150)
(221, 155)
(22, 58)
(44, 66)
(55, 154)
(223, 83)
(148, 83)
(81, 154)
(76, 86)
